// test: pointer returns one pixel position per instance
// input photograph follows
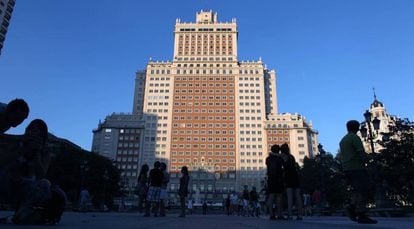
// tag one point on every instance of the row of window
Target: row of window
(159, 91)
(128, 138)
(248, 168)
(204, 85)
(158, 97)
(202, 153)
(204, 58)
(250, 139)
(242, 153)
(198, 104)
(249, 85)
(205, 65)
(204, 71)
(211, 111)
(127, 159)
(202, 132)
(158, 104)
(250, 111)
(128, 145)
(203, 146)
(210, 91)
(203, 139)
(276, 138)
(250, 132)
(224, 97)
(250, 125)
(216, 160)
(127, 152)
(251, 161)
(277, 131)
(159, 85)
(251, 147)
(248, 118)
(249, 97)
(223, 168)
(251, 91)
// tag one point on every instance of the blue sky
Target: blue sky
(75, 61)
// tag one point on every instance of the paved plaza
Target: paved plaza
(133, 220)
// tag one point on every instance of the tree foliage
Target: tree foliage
(395, 163)
(72, 168)
(322, 172)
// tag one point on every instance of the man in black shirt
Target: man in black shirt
(153, 195)
(275, 186)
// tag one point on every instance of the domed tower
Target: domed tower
(378, 111)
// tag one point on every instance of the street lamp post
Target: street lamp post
(376, 124)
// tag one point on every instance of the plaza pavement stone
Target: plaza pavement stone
(134, 221)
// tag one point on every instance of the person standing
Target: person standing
(84, 200)
(227, 202)
(190, 206)
(246, 197)
(154, 191)
(254, 200)
(183, 189)
(164, 184)
(275, 184)
(142, 186)
(291, 180)
(205, 207)
(352, 156)
(12, 114)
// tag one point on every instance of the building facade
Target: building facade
(378, 111)
(213, 113)
(120, 138)
(6, 10)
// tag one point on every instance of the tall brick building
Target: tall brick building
(212, 112)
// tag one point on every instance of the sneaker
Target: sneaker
(350, 212)
(363, 219)
(146, 215)
(272, 217)
(281, 218)
(181, 216)
(299, 218)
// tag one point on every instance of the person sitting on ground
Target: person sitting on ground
(12, 114)
(19, 170)
(33, 198)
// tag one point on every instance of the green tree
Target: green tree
(395, 163)
(322, 172)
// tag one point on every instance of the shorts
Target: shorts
(153, 194)
(163, 194)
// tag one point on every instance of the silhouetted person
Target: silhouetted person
(84, 200)
(291, 181)
(205, 207)
(164, 184)
(142, 186)
(12, 114)
(246, 197)
(275, 184)
(183, 189)
(353, 157)
(154, 191)
(22, 178)
(227, 202)
(254, 201)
